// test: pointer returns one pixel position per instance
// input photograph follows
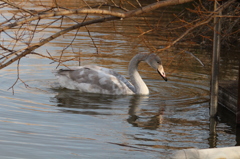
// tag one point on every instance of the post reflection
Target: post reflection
(212, 140)
(237, 135)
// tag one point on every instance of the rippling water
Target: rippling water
(42, 120)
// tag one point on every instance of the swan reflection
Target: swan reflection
(142, 117)
(142, 111)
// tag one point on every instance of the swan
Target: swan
(95, 79)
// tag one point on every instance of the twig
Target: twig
(18, 78)
(89, 34)
(67, 47)
(33, 33)
(17, 6)
(87, 4)
(51, 58)
(194, 57)
(49, 24)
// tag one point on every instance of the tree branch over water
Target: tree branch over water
(23, 18)
(25, 30)
(201, 21)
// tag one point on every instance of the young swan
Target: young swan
(95, 79)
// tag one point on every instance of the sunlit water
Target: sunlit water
(42, 120)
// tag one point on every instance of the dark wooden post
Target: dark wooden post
(215, 65)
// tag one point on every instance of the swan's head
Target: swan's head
(155, 62)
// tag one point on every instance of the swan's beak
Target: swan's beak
(161, 72)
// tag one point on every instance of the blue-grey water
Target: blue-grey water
(39, 119)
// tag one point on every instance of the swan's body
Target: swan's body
(95, 79)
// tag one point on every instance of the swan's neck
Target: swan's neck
(136, 79)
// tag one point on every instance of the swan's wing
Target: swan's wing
(118, 76)
(94, 79)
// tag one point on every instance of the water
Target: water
(42, 120)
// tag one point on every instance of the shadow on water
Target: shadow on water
(224, 116)
(229, 118)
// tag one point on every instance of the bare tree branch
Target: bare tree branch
(202, 22)
(136, 12)
(60, 13)
(114, 16)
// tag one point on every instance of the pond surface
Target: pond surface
(43, 120)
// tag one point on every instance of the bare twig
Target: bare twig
(89, 34)
(17, 7)
(18, 78)
(67, 47)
